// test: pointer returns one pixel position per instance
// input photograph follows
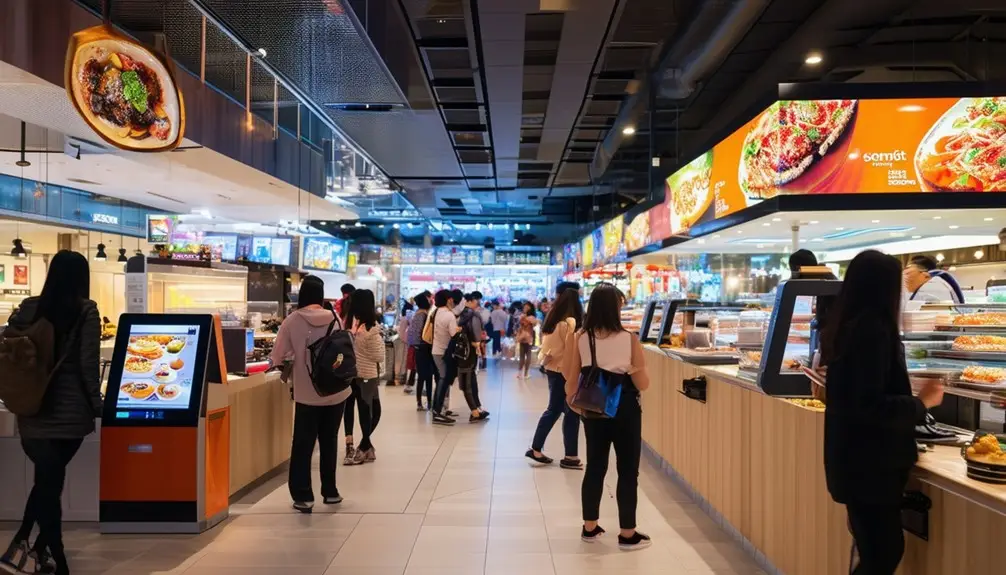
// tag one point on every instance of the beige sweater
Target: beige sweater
(553, 345)
(369, 347)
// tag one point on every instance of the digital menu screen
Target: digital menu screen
(326, 254)
(266, 250)
(223, 248)
(158, 368)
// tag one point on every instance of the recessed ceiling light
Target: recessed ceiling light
(814, 222)
(940, 257)
(874, 221)
(937, 217)
(814, 59)
(916, 237)
(767, 224)
(979, 254)
(953, 227)
(989, 219)
(323, 223)
(715, 236)
(358, 224)
(381, 226)
(397, 226)
(839, 229)
(343, 226)
(628, 130)
(740, 231)
(776, 219)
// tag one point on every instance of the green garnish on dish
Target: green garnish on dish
(134, 91)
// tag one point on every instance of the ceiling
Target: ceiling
(837, 236)
(192, 178)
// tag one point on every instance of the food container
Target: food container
(698, 337)
(919, 321)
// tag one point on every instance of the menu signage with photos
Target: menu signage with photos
(124, 91)
(158, 368)
(326, 254)
(159, 228)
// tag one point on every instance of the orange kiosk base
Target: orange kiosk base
(164, 460)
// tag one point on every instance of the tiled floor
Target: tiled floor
(438, 501)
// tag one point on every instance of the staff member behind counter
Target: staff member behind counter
(927, 283)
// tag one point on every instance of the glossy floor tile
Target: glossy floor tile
(438, 501)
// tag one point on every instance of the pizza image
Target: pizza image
(980, 343)
(138, 365)
(786, 141)
(965, 150)
(981, 319)
(690, 193)
(986, 375)
(145, 347)
(125, 92)
(637, 233)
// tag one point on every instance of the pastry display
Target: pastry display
(984, 375)
(994, 343)
(986, 449)
(808, 403)
(981, 319)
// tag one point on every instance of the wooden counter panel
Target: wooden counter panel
(261, 414)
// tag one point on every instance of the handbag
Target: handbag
(599, 391)
(427, 335)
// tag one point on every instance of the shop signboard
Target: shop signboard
(124, 91)
(443, 255)
(426, 255)
(326, 254)
(473, 256)
(844, 147)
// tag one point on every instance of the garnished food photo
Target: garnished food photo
(177, 364)
(788, 139)
(690, 193)
(168, 392)
(164, 374)
(138, 390)
(993, 343)
(175, 345)
(144, 347)
(124, 91)
(965, 150)
(135, 364)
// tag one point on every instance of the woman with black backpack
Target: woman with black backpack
(72, 401)
(316, 418)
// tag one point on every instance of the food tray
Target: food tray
(973, 329)
(976, 355)
(978, 386)
(705, 357)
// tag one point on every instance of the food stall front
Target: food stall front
(875, 180)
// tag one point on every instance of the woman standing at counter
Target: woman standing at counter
(869, 434)
(72, 401)
(316, 418)
(562, 321)
(369, 345)
(605, 344)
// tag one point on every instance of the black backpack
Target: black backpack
(332, 360)
(463, 352)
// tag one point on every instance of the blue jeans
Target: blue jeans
(557, 407)
(447, 370)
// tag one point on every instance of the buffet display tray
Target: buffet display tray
(704, 357)
(973, 355)
(986, 329)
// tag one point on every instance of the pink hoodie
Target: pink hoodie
(299, 330)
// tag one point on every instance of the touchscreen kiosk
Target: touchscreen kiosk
(644, 328)
(160, 462)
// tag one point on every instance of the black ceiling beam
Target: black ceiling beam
(453, 82)
(441, 43)
(460, 105)
(466, 127)
(625, 75)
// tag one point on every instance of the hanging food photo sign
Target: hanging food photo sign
(124, 91)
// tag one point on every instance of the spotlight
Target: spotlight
(18, 251)
(628, 130)
(100, 256)
(814, 59)
(262, 52)
(979, 254)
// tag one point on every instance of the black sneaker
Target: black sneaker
(419, 407)
(637, 541)
(39, 562)
(567, 463)
(543, 459)
(303, 506)
(450, 413)
(337, 499)
(443, 420)
(591, 536)
(482, 416)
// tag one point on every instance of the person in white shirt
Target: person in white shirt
(445, 325)
(499, 319)
(926, 282)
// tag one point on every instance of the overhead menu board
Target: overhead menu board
(326, 254)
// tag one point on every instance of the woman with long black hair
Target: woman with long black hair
(562, 321)
(316, 418)
(369, 346)
(604, 343)
(422, 352)
(72, 401)
(869, 427)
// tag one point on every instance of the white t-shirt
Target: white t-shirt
(935, 290)
(614, 352)
(444, 327)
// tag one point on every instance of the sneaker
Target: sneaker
(482, 416)
(591, 536)
(408, 389)
(567, 463)
(543, 459)
(637, 541)
(303, 506)
(365, 456)
(39, 562)
(350, 454)
(450, 413)
(335, 500)
(16, 556)
(419, 407)
(442, 420)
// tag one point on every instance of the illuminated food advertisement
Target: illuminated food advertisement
(157, 373)
(611, 237)
(159, 228)
(691, 197)
(325, 254)
(966, 149)
(125, 92)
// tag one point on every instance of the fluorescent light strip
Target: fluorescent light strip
(923, 245)
(862, 231)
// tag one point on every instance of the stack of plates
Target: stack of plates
(913, 321)
(986, 472)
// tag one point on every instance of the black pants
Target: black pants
(445, 381)
(497, 337)
(50, 458)
(469, 384)
(314, 424)
(424, 367)
(876, 530)
(624, 432)
(370, 415)
(557, 408)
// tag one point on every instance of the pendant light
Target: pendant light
(100, 255)
(122, 250)
(18, 251)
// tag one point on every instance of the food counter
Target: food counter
(755, 463)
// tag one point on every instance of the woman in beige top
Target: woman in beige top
(619, 352)
(561, 322)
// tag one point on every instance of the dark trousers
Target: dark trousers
(424, 367)
(497, 338)
(624, 432)
(449, 369)
(469, 384)
(876, 531)
(44, 506)
(557, 407)
(314, 424)
(370, 415)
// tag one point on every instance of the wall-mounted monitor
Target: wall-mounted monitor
(325, 254)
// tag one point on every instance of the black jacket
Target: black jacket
(869, 429)
(73, 398)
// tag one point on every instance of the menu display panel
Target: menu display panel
(158, 370)
(326, 254)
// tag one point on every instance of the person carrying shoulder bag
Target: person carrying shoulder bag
(605, 372)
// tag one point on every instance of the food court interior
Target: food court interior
(207, 156)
